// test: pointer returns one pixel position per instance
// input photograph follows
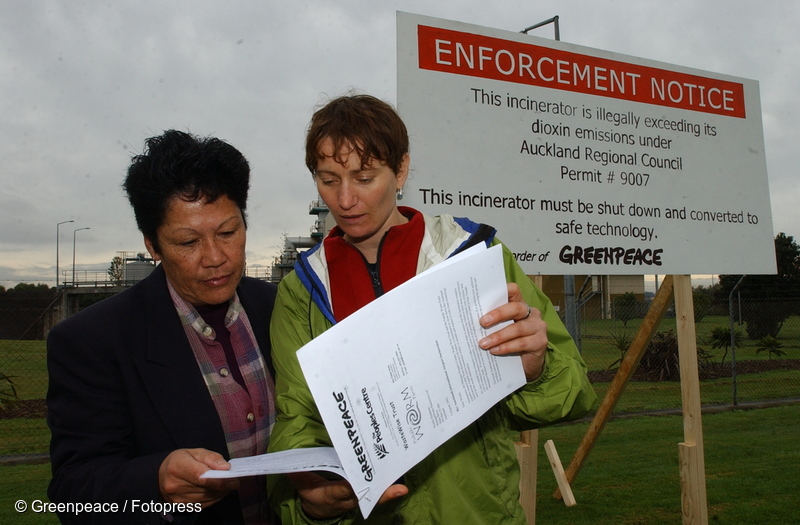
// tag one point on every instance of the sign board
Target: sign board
(586, 161)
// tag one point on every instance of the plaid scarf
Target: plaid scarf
(247, 413)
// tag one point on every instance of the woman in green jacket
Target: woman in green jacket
(357, 151)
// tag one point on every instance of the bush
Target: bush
(721, 338)
(621, 341)
(771, 345)
(625, 307)
(765, 318)
(702, 303)
(661, 359)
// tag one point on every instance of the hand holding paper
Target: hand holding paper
(527, 336)
(323, 498)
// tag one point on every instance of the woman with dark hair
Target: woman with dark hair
(357, 152)
(172, 377)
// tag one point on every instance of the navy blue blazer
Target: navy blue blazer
(125, 390)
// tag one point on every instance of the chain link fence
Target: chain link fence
(748, 352)
(759, 364)
(24, 321)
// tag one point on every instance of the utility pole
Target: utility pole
(57, 225)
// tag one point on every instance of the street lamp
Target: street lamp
(57, 225)
(74, 233)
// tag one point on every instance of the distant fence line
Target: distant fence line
(101, 278)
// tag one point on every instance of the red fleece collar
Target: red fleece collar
(351, 284)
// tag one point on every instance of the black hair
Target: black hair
(178, 164)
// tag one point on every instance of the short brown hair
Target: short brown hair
(371, 126)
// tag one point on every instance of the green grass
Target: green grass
(631, 477)
(24, 436)
(26, 363)
(644, 396)
(27, 483)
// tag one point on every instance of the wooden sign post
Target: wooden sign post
(692, 462)
(527, 455)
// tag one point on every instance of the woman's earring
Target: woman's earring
(400, 194)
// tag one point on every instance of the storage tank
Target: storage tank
(137, 269)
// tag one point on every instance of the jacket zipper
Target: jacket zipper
(373, 269)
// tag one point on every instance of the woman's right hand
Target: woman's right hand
(323, 498)
(179, 478)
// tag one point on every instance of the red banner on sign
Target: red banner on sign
(482, 56)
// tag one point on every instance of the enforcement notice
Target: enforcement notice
(585, 160)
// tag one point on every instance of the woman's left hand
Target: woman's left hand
(526, 336)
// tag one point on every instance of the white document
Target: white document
(403, 374)
(400, 376)
(297, 460)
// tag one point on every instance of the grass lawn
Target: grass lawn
(23, 436)
(640, 396)
(27, 483)
(26, 363)
(631, 476)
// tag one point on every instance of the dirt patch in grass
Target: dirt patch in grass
(30, 408)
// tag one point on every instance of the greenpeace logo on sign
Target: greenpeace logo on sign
(482, 56)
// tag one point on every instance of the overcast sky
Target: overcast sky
(83, 83)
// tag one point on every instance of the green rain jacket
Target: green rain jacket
(473, 478)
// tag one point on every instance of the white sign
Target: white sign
(586, 161)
